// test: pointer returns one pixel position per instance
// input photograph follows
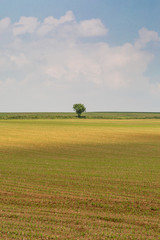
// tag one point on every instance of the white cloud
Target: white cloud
(116, 67)
(55, 60)
(146, 36)
(68, 17)
(25, 25)
(62, 27)
(56, 72)
(50, 23)
(93, 27)
(19, 60)
(4, 24)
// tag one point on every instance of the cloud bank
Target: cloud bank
(51, 60)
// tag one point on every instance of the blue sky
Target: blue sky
(103, 53)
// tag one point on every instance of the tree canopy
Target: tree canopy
(79, 109)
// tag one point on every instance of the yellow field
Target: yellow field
(79, 179)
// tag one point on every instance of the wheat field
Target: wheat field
(80, 179)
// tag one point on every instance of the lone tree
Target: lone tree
(79, 108)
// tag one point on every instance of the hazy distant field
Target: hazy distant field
(80, 179)
(87, 115)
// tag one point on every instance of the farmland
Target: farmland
(86, 115)
(80, 179)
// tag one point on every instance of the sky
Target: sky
(104, 54)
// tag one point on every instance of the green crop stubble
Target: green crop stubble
(79, 179)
